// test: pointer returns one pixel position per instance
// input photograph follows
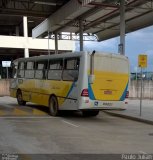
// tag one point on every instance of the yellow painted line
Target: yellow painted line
(28, 117)
(2, 113)
(25, 157)
(22, 112)
(19, 112)
(37, 112)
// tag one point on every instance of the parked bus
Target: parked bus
(81, 81)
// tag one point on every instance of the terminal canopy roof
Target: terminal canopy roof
(100, 17)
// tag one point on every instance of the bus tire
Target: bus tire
(53, 106)
(20, 99)
(88, 113)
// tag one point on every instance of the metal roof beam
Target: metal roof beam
(112, 14)
(98, 6)
(133, 24)
(19, 12)
(83, 16)
(69, 11)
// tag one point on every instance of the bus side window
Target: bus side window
(55, 69)
(20, 73)
(41, 69)
(29, 71)
(71, 69)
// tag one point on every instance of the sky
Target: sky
(138, 42)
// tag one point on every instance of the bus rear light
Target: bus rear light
(85, 93)
(127, 94)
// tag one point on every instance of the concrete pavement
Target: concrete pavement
(133, 111)
(70, 133)
(74, 134)
(9, 107)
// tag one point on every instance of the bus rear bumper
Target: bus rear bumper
(102, 105)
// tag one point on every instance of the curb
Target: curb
(129, 117)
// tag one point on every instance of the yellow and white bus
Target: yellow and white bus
(81, 81)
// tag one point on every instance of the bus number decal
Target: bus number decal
(107, 104)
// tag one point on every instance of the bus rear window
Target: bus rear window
(71, 69)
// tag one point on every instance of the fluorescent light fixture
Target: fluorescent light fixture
(47, 3)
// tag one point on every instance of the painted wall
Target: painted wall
(4, 87)
(34, 43)
(135, 88)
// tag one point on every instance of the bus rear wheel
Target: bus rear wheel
(53, 106)
(20, 99)
(88, 113)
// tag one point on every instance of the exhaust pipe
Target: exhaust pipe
(92, 76)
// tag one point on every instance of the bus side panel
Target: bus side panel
(27, 87)
(46, 88)
(13, 87)
(13, 92)
(39, 91)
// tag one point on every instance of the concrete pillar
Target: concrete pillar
(122, 28)
(81, 34)
(26, 52)
(70, 35)
(56, 43)
(60, 36)
(48, 43)
(25, 29)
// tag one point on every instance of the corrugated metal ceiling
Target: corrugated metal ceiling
(102, 17)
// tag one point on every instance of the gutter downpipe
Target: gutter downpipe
(92, 76)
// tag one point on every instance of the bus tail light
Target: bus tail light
(127, 94)
(85, 93)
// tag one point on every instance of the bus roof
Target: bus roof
(44, 57)
(69, 54)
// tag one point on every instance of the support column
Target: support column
(122, 28)
(70, 35)
(81, 34)
(60, 36)
(25, 28)
(56, 43)
(48, 43)
(26, 52)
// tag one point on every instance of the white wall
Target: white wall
(34, 43)
(135, 88)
